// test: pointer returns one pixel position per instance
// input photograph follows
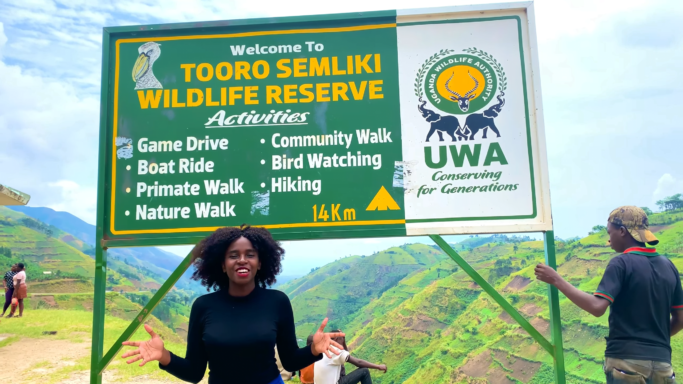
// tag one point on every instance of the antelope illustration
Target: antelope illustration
(463, 101)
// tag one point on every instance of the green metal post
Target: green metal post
(142, 316)
(507, 307)
(100, 249)
(554, 304)
(98, 314)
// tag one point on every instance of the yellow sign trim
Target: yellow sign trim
(272, 226)
(229, 35)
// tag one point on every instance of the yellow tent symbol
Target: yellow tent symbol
(383, 201)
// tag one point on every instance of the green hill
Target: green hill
(40, 244)
(81, 235)
(410, 307)
(413, 309)
(116, 305)
(340, 289)
(63, 255)
(69, 283)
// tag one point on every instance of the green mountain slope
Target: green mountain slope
(340, 289)
(124, 307)
(44, 249)
(81, 236)
(62, 254)
(69, 284)
(430, 323)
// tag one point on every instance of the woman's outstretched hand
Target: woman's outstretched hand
(151, 350)
(322, 342)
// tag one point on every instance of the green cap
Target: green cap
(634, 219)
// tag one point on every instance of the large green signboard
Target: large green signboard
(373, 125)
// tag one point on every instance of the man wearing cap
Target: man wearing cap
(643, 290)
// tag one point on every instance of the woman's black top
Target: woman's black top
(237, 337)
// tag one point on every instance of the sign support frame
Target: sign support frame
(554, 347)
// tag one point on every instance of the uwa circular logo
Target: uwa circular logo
(459, 84)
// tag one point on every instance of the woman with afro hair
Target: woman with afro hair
(235, 328)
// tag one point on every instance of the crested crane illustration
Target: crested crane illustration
(142, 70)
(463, 101)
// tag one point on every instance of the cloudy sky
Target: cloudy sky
(611, 75)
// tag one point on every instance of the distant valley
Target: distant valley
(409, 307)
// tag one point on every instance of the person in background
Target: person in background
(236, 328)
(20, 290)
(8, 283)
(343, 367)
(329, 369)
(643, 291)
(283, 372)
(306, 374)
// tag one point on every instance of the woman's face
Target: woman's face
(241, 262)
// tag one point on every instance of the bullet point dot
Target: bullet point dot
(128, 168)
(263, 185)
(263, 141)
(127, 190)
(127, 213)
(263, 161)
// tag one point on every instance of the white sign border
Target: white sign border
(543, 220)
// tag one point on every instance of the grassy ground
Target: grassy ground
(75, 326)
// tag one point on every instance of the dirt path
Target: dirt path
(17, 358)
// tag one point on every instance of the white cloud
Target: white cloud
(667, 185)
(609, 71)
(48, 132)
(78, 200)
(3, 38)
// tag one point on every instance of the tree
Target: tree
(671, 203)
(515, 248)
(597, 229)
(647, 210)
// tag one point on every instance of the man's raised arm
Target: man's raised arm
(364, 364)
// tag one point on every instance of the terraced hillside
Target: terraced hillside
(412, 308)
(43, 245)
(340, 290)
(153, 263)
(68, 286)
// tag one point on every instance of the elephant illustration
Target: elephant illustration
(478, 121)
(440, 124)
